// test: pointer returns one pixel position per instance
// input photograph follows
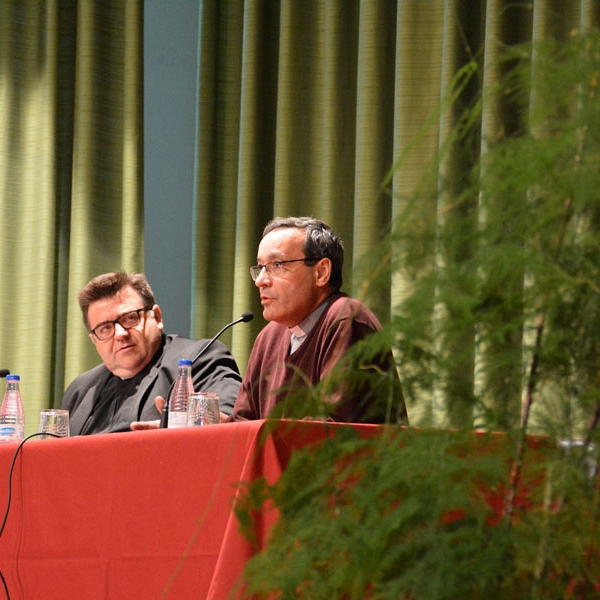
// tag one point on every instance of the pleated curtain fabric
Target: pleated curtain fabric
(337, 109)
(70, 165)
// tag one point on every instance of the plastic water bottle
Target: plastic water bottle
(178, 401)
(12, 415)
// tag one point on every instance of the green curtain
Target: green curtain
(70, 172)
(305, 107)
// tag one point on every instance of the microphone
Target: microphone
(5, 372)
(164, 417)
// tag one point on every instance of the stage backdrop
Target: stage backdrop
(300, 108)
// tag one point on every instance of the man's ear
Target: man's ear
(323, 272)
(158, 316)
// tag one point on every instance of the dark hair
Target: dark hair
(320, 242)
(109, 285)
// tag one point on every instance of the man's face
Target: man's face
(128, 351)
(290, 296)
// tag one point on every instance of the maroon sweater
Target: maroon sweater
(276, 378)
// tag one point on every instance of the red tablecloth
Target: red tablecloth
(138, 515)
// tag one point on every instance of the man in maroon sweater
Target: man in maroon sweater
(312, 326)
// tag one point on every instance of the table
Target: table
(144, 514)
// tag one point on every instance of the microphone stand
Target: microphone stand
(164, 417)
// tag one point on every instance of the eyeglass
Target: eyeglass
(104, 331)
(275, 268)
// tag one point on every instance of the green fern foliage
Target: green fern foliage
(420, 514)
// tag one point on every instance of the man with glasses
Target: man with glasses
(313, 328)
(139, 361)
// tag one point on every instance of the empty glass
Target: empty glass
(203, 409)
(55, 421)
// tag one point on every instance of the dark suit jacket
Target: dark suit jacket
(215, 371)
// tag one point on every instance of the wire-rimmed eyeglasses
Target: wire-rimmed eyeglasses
(275, 267)
(105, 330)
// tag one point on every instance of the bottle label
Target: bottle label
(177, 419)
(11, 433)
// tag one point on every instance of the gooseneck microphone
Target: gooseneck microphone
(245, 318)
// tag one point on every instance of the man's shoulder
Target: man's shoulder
(82, 384)
(344, 307)
(92, 375)
(178, 343)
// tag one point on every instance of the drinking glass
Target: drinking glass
(54, 420)
(203, 409)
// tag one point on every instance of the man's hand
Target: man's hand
(144, 425)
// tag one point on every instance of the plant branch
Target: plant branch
(517, 465)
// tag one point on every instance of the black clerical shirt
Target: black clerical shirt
(113, 410)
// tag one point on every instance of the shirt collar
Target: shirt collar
(307, 325)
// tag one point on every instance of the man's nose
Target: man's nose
(263, 276)
(120, 330)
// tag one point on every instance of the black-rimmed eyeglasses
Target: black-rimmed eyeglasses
(275, 268)
(105, 330)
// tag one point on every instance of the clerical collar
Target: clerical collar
(300, 331)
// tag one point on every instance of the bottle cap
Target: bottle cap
(13, 377)
(184, 362)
